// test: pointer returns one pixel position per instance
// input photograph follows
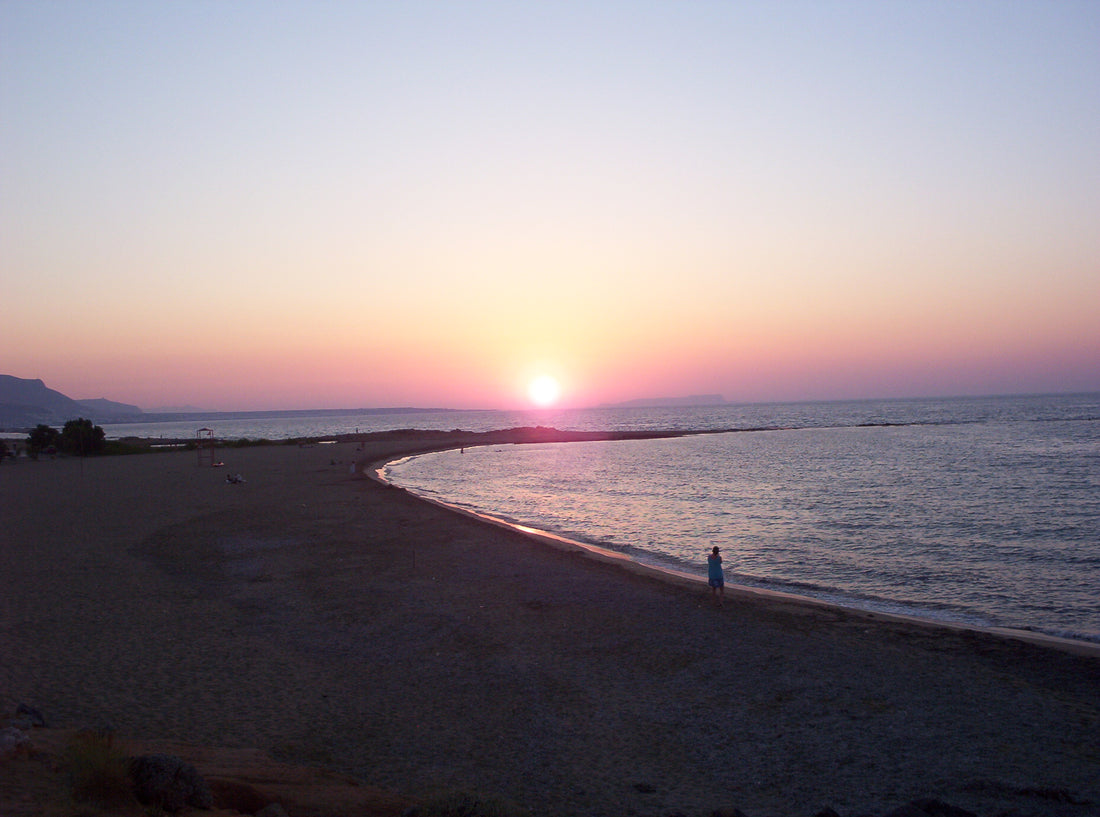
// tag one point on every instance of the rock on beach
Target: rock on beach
(169, 783)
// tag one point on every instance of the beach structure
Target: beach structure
(204, 443)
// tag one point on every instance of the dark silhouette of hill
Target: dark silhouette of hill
(25, 403)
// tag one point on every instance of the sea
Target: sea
(981, 511)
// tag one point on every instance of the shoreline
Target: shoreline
(373, 470)
(330, 620)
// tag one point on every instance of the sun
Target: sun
(544, 390)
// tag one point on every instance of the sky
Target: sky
(275, 205)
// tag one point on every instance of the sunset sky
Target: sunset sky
(265, 205)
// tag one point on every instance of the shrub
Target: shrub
(41, 438)
(99, 772)
(244, 442)
(126, 446)
(79, 436)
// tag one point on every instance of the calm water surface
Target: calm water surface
(984, 512)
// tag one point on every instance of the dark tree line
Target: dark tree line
(78, 437)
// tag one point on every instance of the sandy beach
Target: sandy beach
(326, 619)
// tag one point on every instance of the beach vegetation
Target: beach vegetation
(246, 443)
(42, 438)
(80, 437)
(131, 445)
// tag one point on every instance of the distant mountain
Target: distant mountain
(671, 402)
(26, 403)
(102, 408)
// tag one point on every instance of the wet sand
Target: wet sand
(325, 618)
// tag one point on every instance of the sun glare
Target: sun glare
(544, 390)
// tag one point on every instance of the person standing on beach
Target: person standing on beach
(715, 576)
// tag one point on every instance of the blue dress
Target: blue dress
(714, 571)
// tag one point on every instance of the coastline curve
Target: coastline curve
(374, 470)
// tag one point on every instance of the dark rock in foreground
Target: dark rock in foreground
(167, 782)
